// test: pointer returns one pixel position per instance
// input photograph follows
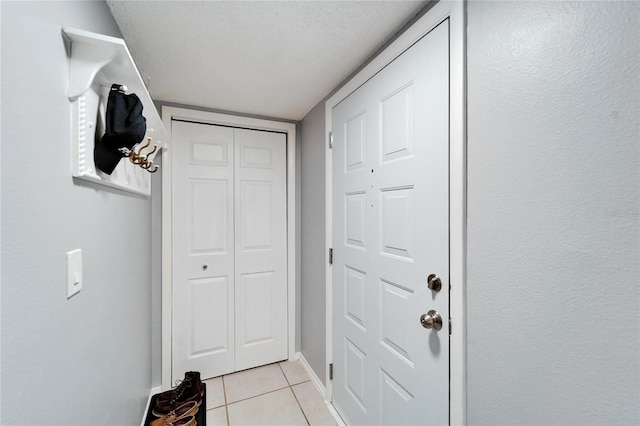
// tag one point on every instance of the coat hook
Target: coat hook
(139, 159)
(144, 147)
(135, 158)
(155, 148)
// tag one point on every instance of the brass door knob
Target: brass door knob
(431, 319)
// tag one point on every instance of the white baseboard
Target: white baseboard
(321, 389)
(152, 392)
(335, 414)
(314, 377)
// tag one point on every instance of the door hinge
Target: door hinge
(331, 371)
(330, 256)
(449, 326)
(330, 139)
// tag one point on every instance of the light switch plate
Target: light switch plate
(74, 272)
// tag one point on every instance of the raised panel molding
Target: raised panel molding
(208, 204)
(355, 289)
(396, 124)
(395, 301)
(395, 401)
(255, 292)
(355, 142)
(397, 222)
(208, 300)
(355, 205)
(255, 219)
(255, 157)
(211, 153)
(355, 377)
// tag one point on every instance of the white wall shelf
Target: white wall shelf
(96, 62)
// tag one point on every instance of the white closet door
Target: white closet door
(229, 249)
(260, 273)
(390, 232)
(203, 250)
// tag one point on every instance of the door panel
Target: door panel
(229, 236)
(255, 206)
(261, 280)
(255, 292)
(203, 252)
(206, 305)
(396, 124)
(390, 210)
(209, 229)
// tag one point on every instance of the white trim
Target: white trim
(335, 414)
(321, 389)
(152, 392)
(328, 244)
(454, 10)
(313, 376)
(168, 113)
(457, 216)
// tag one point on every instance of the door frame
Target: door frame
(168, 114)
(454, 11)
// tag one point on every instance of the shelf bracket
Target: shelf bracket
(86, 58)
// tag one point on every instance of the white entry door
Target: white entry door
(390, 232)
(229, 249)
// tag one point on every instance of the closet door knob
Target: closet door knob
(204, 267)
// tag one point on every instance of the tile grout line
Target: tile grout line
(266, 393)
(294, 394)
(226, 406)
(263, 393)
(300, 406)
(284, 374)
(260, 394)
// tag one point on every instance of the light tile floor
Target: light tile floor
(275, 394)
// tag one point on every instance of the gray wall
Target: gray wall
(553, 212)
(156, 274)
(313, 240)
(553, 215)
(298, 238)
(85, 360)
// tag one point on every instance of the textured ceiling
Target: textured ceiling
(270, 58)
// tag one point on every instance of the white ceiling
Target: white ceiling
(271, 58)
